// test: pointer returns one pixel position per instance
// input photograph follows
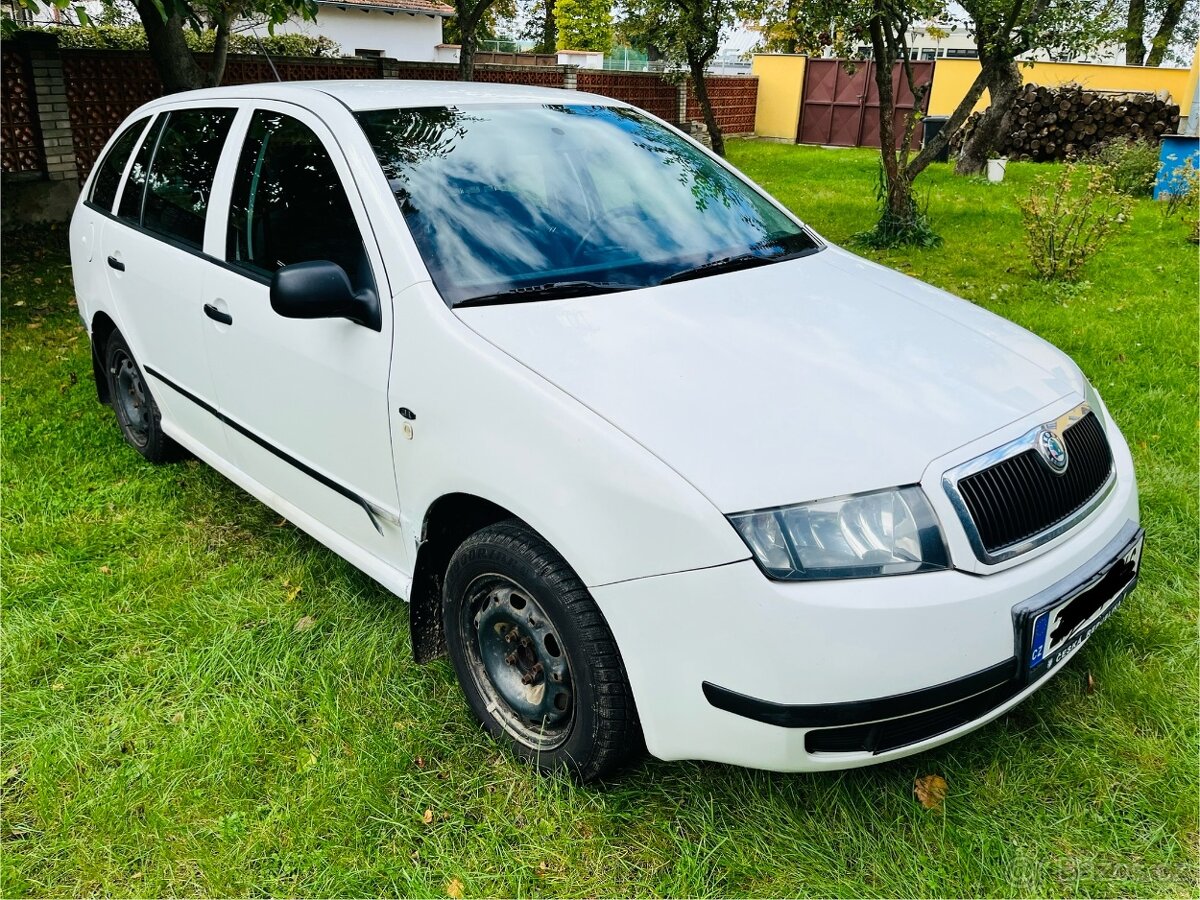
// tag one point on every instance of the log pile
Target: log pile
(1067, 122)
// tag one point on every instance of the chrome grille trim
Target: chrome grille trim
(1021, 502)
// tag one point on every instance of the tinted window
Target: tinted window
(181, 174)
(288, 203)
(135, 184)
(500, 199)
(108, 176)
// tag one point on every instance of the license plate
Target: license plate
(1059, 630)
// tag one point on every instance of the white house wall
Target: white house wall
(399, 35)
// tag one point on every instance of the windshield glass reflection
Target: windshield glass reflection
(509, 200)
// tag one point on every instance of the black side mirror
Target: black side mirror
(321, 290)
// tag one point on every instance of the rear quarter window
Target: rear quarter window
(108, 176)
(181, 174)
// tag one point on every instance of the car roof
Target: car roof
(389, 94)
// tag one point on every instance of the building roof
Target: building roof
(422, 7)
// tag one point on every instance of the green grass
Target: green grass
(166, 731)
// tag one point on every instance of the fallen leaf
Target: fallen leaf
(428, 817)
(137, 876)
(542, 869)
(292, 590)
(105, 570)
(304, 623)
(420, 762)
(11, 774)
(57, 686)
(177, 718)
(1091, 684)
(415, 855)
(454, 889)
(930, 790)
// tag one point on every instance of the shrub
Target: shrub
(133, 37)
(1183, 199)
(1132, 164)
(1069, 217)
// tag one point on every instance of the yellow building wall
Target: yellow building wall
(953, 77)
(780, 83)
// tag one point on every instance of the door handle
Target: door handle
(115, 263)
(216, 315)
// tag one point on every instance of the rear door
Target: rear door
(155, 267)
(305, 399)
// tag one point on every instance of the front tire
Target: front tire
(534, 656)
(137, 413)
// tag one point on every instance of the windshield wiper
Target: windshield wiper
(554, 290)
(733, 263)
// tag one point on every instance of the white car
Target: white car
(650, 459)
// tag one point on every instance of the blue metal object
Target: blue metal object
(1177, 152)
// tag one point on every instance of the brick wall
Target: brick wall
(734, 99)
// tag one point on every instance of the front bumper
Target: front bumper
(802, 657)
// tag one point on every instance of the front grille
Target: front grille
(1020, 497)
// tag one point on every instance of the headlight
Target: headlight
(891, 532)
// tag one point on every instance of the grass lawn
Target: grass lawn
(166, 730)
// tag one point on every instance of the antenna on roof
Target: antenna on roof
(263, 51)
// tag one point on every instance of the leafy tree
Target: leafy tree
(1006, 29)
(684, 33)
(541, 25)
(584, 25)
(1167, 22)
(475, 20)
(165, 22)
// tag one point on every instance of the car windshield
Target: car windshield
(513, 202)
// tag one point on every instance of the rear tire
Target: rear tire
(137, 413)
(534, 656)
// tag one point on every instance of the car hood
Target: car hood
(794, 381)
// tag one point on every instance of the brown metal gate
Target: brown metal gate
(841, 109)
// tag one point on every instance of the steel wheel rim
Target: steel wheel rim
(132, 399)
(518, 662)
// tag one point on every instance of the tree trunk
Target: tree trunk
(1166, 31)
(710, 118)
(1135, 28)
(216, 67)
(467, 41)
(898, 199)
(1004, 84)
(176, 66)
(549, 28)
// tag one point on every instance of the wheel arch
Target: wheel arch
(449, 520)
(102, 327)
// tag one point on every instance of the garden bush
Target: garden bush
(1132, 164)
(133, 37)
(1069, 216)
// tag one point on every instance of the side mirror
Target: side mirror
(321, 290)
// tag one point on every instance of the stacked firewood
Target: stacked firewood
(1067, 122)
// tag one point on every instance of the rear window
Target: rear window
(181, 174)
(108, 176)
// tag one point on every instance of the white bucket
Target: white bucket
(996, 170)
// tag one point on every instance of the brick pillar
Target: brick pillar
(570, 77)
(54, 115)
(681, 91)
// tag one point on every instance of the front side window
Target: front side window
(181, 175)
(108, 175)
(289, 205)
(519, 201)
